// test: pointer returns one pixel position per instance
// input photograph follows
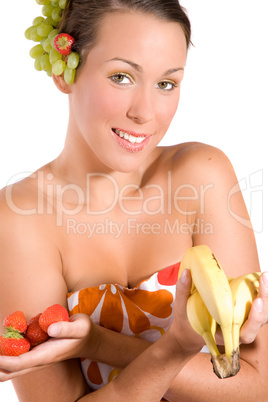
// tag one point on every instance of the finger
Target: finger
(36, 357)
(184, 283)
(78, 327)
(263, 294)
(254, 322)
(183, 289)
(41, 356)
(258, 315)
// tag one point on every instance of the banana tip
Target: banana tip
(222, 366)
(235, 362)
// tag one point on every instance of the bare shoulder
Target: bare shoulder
(30, 263)
(20, 195)
(199, 162)
(13, 210)
(19, 211)
(201, 155)
(214, 194)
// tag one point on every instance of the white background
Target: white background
(223, 101)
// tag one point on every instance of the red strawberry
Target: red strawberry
(13, 346)
(53, 314)
(63, 43)
(34, 333)
(16, 322)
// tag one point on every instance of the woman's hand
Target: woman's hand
(258, 315)
(189, 340)
(76, 338)
(186, 337)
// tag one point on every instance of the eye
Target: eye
(167, 85)
(121, 79)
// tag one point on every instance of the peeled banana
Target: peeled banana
(216, 300)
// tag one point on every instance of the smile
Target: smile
(133, 139)
(129, 140)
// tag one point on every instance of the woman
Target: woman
(115, 209)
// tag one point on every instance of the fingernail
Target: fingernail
(259, 305)
(54, 330)
(184, 278)
(265, 278)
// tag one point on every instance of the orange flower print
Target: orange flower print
(111, 315)
(87, 303)
(110, 300)
(139, 301)
(144, 311)
(93, 373)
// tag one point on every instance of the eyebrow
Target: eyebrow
(139, 68)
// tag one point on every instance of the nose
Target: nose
(141, 106)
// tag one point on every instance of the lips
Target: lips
(129, 140)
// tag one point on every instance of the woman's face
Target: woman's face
(128, 90)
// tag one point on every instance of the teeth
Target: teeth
(132, 139)
(129, 137)
(140, 139)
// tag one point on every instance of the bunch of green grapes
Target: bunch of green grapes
(44, 30)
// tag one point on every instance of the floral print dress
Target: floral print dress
(145, 311)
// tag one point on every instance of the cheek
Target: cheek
(109, 104)
(166, 111)
(96, 102)
(106, 102)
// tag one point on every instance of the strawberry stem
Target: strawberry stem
(13, 333)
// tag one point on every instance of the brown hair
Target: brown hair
(82, 18)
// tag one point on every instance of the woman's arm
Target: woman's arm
(31, 280)
(148, 376)
(77, 338)
(232, 240)
(249, 384)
